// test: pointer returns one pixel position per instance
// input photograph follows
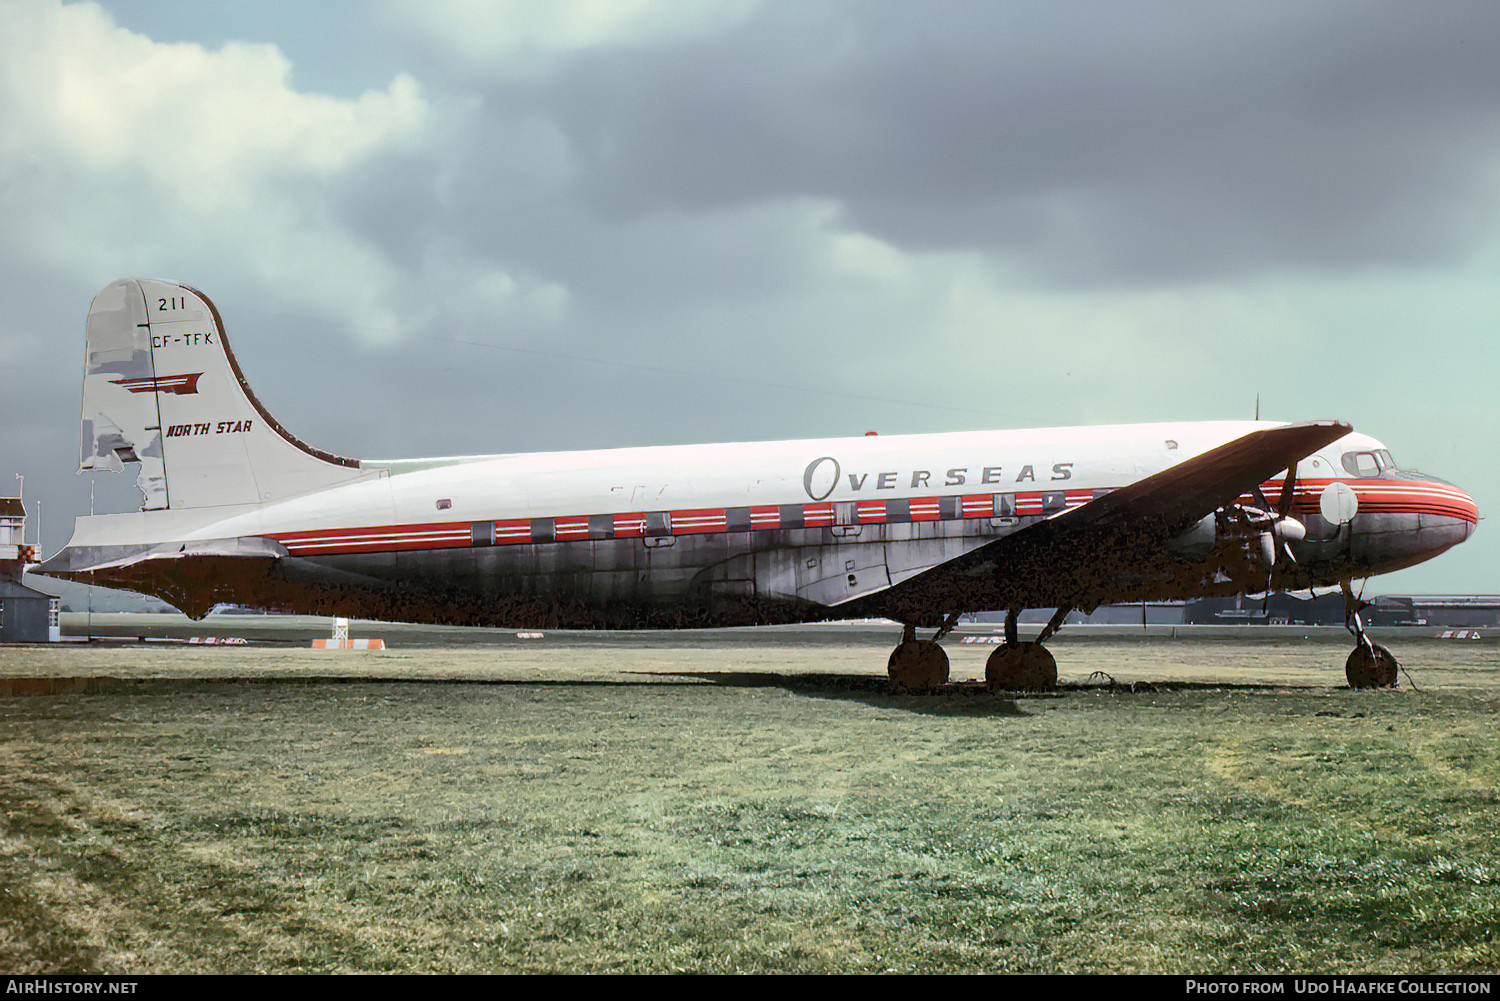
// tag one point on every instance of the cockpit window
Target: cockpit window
(1368, 464)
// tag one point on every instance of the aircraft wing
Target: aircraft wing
(1111, 549)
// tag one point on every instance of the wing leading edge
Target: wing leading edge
(1111, 549)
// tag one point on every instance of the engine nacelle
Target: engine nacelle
(1197, 542)
(1259, 534)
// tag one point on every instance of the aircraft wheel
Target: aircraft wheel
(1365, 670)
(918, 666)
(1022, 667)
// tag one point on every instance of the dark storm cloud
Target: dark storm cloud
(1075, 144)
(1093, 143)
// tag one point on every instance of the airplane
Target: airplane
(918, 529)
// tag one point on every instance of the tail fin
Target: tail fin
(162, 388)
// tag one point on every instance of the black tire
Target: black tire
(1367, 670)
(1023, 667)
(918, 666)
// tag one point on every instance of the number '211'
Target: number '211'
(176, 302)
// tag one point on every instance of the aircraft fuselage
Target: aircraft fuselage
(743, 533)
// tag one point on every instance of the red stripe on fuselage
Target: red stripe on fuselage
(1375, 497)
(1379, 497)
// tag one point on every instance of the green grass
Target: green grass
(626, 815)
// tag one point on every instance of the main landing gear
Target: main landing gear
(1370, 665)
(921, 665)
(1023, 667)
(918, 665)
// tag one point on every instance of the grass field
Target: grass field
(724, 802)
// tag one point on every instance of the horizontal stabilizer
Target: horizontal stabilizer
(96, 559)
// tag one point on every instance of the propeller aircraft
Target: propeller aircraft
(919, 529)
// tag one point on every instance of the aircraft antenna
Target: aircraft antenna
(88, 620)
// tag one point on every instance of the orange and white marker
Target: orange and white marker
(341, 641)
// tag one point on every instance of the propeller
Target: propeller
(1273, 530)
(1278, 529)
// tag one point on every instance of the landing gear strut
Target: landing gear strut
(918, 665)
(1370, 665)
(1023, 667)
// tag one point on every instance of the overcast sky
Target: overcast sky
(444, 227)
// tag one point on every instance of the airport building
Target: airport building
(1440, 610)
(26, 615)
(1451, 611)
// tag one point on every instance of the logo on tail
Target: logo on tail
(181, 385)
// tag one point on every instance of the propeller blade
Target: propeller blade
(1289, 529)
(1284, 507)
(1288, 492)
(1268, 549)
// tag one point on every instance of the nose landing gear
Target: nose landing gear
(1370, 665)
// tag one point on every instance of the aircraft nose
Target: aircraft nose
(1402, 522)
(1447, 515)
(1455, 502)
